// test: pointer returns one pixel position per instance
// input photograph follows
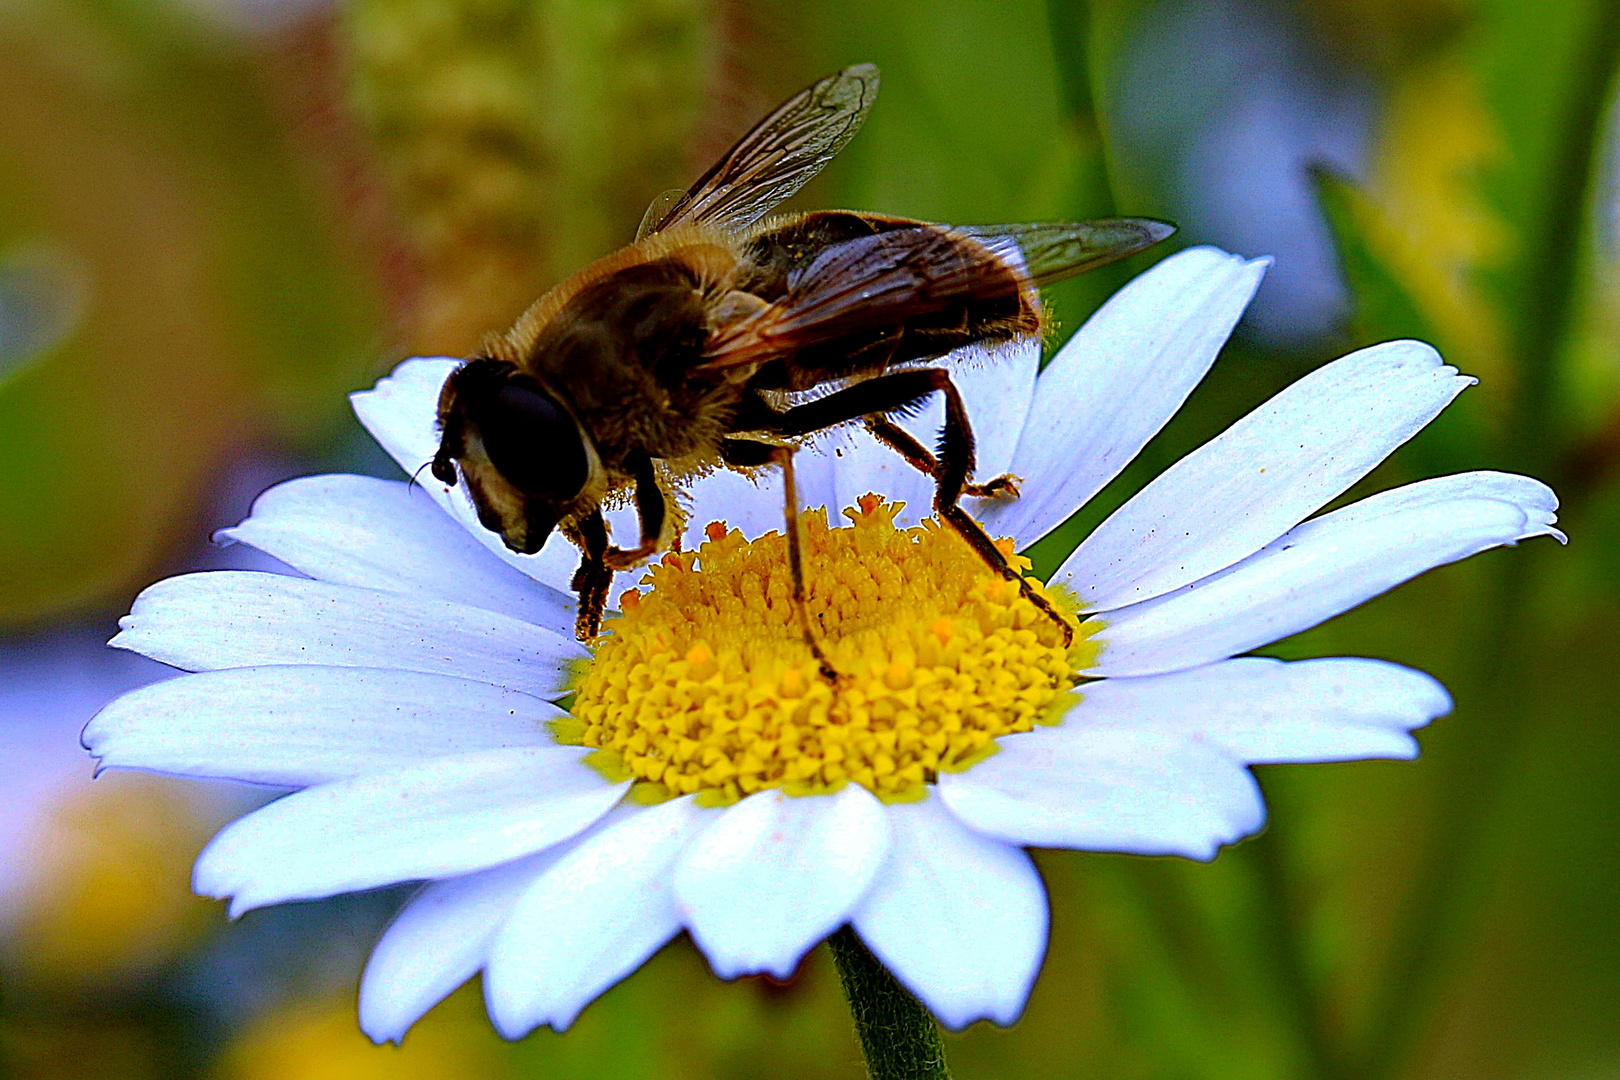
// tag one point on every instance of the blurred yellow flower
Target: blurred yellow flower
(1427, 217)
(319, 1040)
(110, 899)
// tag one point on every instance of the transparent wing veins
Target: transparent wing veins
(779, 156)
(1049, 251)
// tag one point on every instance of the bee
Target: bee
(724, 338)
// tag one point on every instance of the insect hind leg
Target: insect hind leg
(955, 464)
(893, 392)
(919, 457)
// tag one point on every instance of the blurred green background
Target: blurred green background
(217, 216)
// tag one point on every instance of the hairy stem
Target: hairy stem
(899, 1038)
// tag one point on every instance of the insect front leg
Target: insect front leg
(649, 511)
(592, 579)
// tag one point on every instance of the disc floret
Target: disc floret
(705, 686)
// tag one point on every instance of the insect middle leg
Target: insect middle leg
(951, 467)
(872, 400)
(783, 455)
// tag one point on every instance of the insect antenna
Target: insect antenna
(418, 472)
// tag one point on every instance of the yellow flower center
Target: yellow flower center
(706, 686)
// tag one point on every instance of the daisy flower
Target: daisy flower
(704, 779)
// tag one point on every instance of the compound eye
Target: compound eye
(534, 442)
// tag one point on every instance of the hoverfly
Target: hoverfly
(690, 350)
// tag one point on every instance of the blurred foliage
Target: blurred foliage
(1449, 917)
(1424, 216)
(523, 139)
(106, 917)
(316, 1040)
(208, 300)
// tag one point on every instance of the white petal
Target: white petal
(1267, 711)
(443, 936)
(869, 466)
(295, 726)
(1263, 475)
(445, 817)
(998, 389)
(776, 874)
(751, 503)
(401, 412)
(386, 534)
(1531, 495)
(1118, 380)
(1325, 566)
(229, 618)
(1108, 789)
(816, 469)
(958, 917)
(590, 920)
(438, 941)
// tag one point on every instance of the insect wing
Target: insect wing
(1050, 251)
(779, 156)
(657, 211)
(877, 281)
(863, 284)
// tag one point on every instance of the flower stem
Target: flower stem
(900, 1040)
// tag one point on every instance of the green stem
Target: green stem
(900, 1040)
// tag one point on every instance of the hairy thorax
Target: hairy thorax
(619, 342)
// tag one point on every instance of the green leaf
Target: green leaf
(1382, 308)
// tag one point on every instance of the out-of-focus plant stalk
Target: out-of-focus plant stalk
(1549, 307)
(1445, 899)
(523, 138)
(188, 293)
